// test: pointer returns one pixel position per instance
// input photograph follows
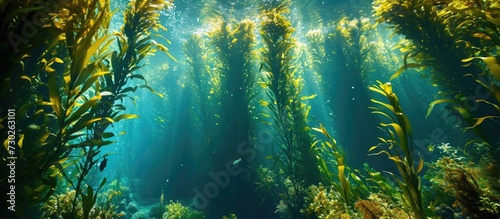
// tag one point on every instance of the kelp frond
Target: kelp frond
(400, 149)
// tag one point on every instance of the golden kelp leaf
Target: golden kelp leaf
(21, 141)
(435, 102)
(54, 96)
(309, 97)
(492, 64)
(465, 114)
(24, 77)
(6, 144)
(263, 103)
(125, 116)
(403, 68)
(58, 60)
(266, 115)
(481, 120)
(82, 109)
(82, 123)
(83, 60)
(151, 89)
(262, 84)
(482, 35)
(316, 129)
(493, 20)
(420, 165)
(373, 148)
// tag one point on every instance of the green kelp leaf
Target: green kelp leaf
(129, 89)
(151, 89)
(481, 120)
(137, 76)
(91, 81)
(403, 68)
(91, 142)
(435, 102)
(400, 133)
(108, 135)
(82, 123)
(125, 116)
(83, 59)
(87, 201)
(54, 95)
(120, 107)
(82, 109)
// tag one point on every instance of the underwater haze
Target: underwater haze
(252, 109)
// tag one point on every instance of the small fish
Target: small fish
(236, 162)
(103, 164)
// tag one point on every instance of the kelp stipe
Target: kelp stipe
(233, 43)
(341, 55)
(295, 157)
(206, 95)
(399, 148)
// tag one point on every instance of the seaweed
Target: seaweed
(466, 184)
(296, 156)
(331, 149)
(66, 110)
(399, 147)
(447, 37)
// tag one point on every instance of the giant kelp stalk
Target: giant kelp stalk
(233, 45)
(206, 96)
(442, 35)
(400, 148)
(341, 56)
(62, 110)
(296, 157)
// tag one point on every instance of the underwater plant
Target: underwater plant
(399, 148)
(330, 148)
(63, 115)
(341, 56)
(447, 36)
(175, 210)
(296, 156)
(59, 104)
(323, 202)
(380, 206)
(233, 46)
(61, 206)
(466, 184)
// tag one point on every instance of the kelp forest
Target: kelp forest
(231, 109)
